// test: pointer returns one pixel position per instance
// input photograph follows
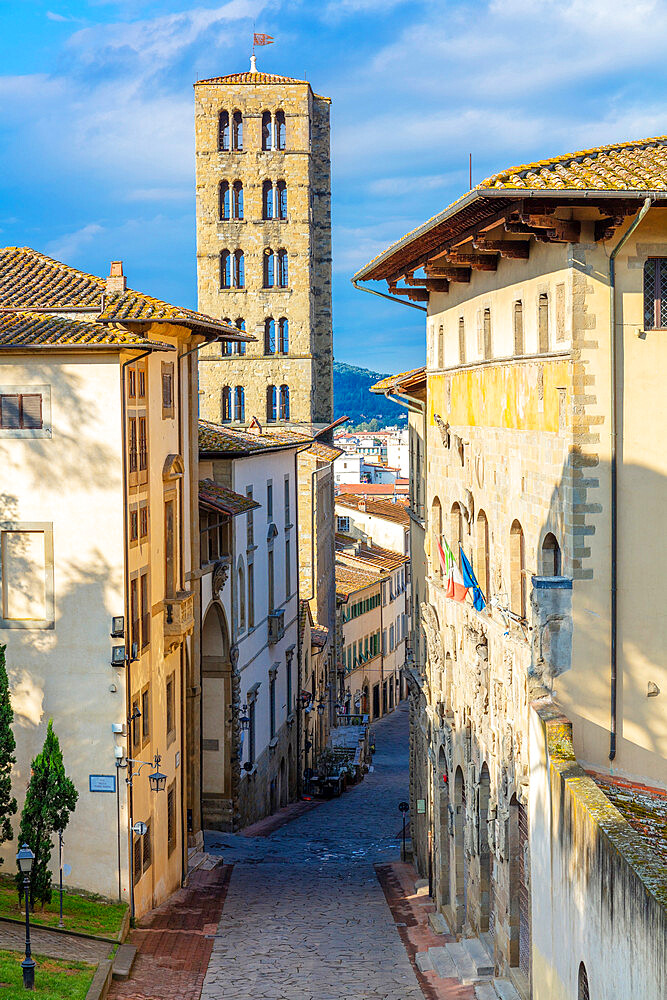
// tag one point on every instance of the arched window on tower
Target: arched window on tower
(283, 335)
(269, 335)
(551, 563)
(223, 200)
(271, 404)
(456, 531)
(482, 562)
(267, 200)
(436, 533)
(440, 363)
(226, 413)
(543, 323)
(226, 347)
(239, 269)
(266, 130)
(583, 990)
(223, 131)
(280, 129)
(284, 402)
(237, 200)
(237, 130)
(517, 571)
(225, 269)
(281, 199)
(240, 325)
(283, 276)
(239, 404)
(269, 268)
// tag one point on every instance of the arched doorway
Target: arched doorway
(442, 874)
(216, 676)
(485, 905)
(291, 791)
(459, 878)
(519, 888)
(282, 784)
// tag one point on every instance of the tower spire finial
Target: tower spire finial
(253, 63)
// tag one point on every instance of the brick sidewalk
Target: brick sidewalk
(411, 915)
(174, 942)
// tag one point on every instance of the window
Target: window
(269, 335)
(223, 131)
(288, 683)
(271, 581)
(239, 347)
(250, 523)
(269, 501)
(267, 200)
(518, 328)
(21, 411)
(517, 571)
(271, 404)
(226, 403)
(131, 383)
(283, 276)
(147, 847)
(237, 200)
(583, 992)
(136, 860)
(543, 323)
(288, 568)
(272, 705)
(483, 553)
(134, 525)
(281, 200)
(237, 131)
(551, 563)
(171, 709)
(167, 389)
(145, 715)
(26, 575)
(223, 200)
(436, 533)
(455, 531)
(142, 382)
(560, 312)
(488, 347)
(655, 293)
(239, 269)
(136, 724)
(143, 445)
(343, 524)
(145, 611)
(241, 598)
(134, 614)
(280, 129)
(239, 403)
(251, 594)
(214, 535)
(440, 362)
(266, 130)
(169, 548)
(283, 336)
(171, 818)
(251, 732)
(225, 269)
(286, 496)
(269, 268)
(284, 402)
(462, 341)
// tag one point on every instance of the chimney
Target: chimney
(254, 427)
(361, 505)
(116, 281)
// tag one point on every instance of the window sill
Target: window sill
(236, 221)
(233, 288)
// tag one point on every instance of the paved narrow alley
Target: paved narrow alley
(305, 917)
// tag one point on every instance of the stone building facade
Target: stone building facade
(543, 295)
(267, 138)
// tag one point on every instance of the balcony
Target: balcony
(179, 618)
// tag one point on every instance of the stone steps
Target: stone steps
(479, 956)
(122, 962)
(496, 989)
(442, 962)
(464, 966)
(438, 923)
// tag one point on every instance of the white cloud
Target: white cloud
(68, 246)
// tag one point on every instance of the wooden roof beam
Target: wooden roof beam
(413, 294)
(450, 273)
(478, 262)
(512, 249)
(561, 231)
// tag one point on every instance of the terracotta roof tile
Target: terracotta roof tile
(36, 330)
(387, 509)
(411, 378)
(319, 635)
(29, 280)
(214, 438)
(644, 808)
(211, 494)
(258, 78)
(324, 451)
(365, 556)
(349, 579)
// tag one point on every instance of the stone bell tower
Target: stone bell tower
(263, 200)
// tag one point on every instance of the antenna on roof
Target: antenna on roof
(470, 168)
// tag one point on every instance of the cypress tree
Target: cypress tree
(8, 805)
(50, 798)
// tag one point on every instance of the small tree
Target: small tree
(8, 805)
(50, 799)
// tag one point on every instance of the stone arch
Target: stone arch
(442, 874)
(436, 533)
(459, 887)
(550, 562)
(485, 889)
(517, 570)
(216, 715)
(282, 783)
(519, 922)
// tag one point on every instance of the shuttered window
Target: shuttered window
(171, 818)
(145, 612)
(655, 293)
(21, 411)
(148, 847)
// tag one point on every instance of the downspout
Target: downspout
(128, 645)
(614, 474)
(383, 295)
(297, 702)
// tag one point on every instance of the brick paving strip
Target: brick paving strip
(410, 913)
(55, 944)
(174, 942)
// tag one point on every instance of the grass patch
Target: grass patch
(80, 913)
(54, 980)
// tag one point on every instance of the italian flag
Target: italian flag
(454, 587)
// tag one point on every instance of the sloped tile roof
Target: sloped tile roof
(637, 166)
(36, 330)
(349, 579)
(413, 377)
(29, 280)
(386, 509)
(319, 635)
(211, 494)
(324, 451)
(214, 438)
(373, 557)
(258, 78)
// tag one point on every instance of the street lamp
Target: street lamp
(157, 779)
(244, 719)
(24, 860)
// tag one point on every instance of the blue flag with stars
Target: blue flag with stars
(470, 580)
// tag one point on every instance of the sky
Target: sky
(96, 121)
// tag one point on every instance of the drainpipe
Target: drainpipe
(392, 298)
(614, 474)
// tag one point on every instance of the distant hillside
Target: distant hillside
(352, 397)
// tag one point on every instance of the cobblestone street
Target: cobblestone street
(305, 917)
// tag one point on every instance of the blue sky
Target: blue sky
(96, 127)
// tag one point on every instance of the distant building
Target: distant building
(385, 522)
(400, 488)
(355, 468)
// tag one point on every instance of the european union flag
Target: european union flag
(470, 580)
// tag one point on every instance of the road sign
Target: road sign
(403, 807)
